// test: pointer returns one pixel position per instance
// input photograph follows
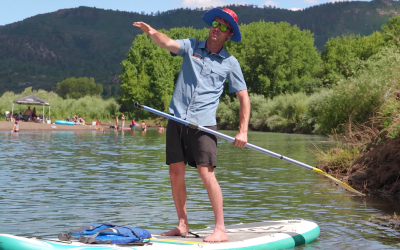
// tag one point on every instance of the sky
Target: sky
(17, 10)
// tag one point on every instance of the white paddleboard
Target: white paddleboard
(262, 235)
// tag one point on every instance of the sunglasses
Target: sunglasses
(222, 27)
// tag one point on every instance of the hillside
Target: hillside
(42, 50)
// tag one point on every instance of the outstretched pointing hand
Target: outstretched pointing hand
(144, 27)
(158, 38)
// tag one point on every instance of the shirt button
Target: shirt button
(189, 108)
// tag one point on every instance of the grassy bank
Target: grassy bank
(368, 145)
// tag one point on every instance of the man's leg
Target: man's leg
(207, 175)
(178, 187)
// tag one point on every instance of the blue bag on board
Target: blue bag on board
(107, 234)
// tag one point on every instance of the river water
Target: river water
(54, 182)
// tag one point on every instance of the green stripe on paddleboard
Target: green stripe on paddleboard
(289, 242)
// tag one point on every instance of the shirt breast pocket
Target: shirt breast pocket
(217, 77)
(197, 64)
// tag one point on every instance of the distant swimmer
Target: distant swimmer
(161, 129)
(15, 129)
(143, 126)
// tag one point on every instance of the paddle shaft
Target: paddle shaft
(223, 136)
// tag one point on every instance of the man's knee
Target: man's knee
(177, 170)
(206, 174)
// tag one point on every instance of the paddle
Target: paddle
(231, 139)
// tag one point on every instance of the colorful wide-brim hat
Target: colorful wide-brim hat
(228, 15)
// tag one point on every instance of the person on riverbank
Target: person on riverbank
(116, 121)
(81, 121)
(28, 114)
(205, 68)
(12, 118)
(15, 129)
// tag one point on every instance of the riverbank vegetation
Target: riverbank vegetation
(76, 88)
(89, 107)
(368, 145)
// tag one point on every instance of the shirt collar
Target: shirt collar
(222, 53)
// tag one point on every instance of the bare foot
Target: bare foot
(217, 236)
(175, 232)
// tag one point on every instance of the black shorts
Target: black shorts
(191, 146)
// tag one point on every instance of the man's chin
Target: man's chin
(213, 38)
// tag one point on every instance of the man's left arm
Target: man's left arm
(244, 116)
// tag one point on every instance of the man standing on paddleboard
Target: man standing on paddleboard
(206, 67)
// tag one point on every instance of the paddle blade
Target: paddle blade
(342, 184)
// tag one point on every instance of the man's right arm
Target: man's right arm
(158, 38)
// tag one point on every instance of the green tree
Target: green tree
(276, 58)
(391, 30)
(342, 54)
(76, 88)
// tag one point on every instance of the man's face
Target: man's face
(217, 35)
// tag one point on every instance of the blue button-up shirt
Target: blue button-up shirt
(201, 82)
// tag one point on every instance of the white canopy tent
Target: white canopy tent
(32, 100)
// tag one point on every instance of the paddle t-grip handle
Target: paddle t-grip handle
(137, 105)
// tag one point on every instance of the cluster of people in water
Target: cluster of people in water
(133, 124)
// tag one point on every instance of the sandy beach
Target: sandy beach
(43, 127)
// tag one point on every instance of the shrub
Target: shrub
(281, 114)
(357, 98)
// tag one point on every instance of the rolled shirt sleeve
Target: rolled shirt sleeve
(235, 78)
(184, 47)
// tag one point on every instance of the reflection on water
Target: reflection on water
(52, 182)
